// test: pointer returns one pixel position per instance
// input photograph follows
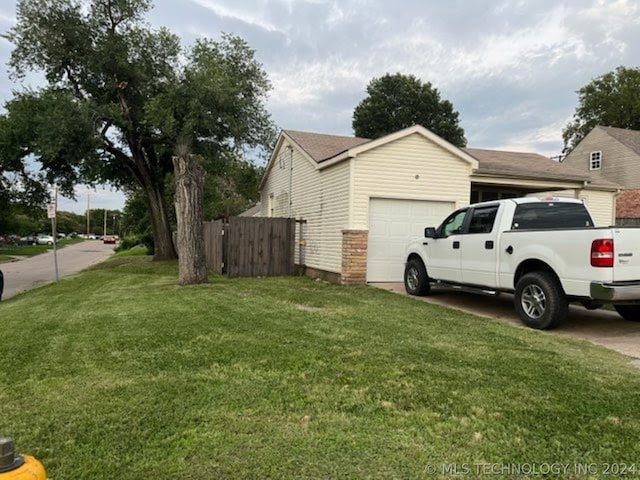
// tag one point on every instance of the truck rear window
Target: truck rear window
(555, 215)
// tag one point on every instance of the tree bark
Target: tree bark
(162, 236)
(189, 176)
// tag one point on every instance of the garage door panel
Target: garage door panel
(392, 225)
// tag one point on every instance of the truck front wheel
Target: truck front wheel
(416, 280)
(629, 312)
(540, 301)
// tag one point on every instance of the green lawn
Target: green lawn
(8, 252)
(118, 373)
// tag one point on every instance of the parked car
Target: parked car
(547, 252)
(28, 240)
(44, 240)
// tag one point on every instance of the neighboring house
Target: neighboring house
(612, 154)
(364, 200)
(254, 211)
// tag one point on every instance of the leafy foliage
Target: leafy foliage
(399, 101)
(612, 100)
(120, 95)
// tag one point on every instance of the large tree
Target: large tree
(399, 101)
(612, 100)
(120, 94)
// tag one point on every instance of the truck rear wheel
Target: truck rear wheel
(416, 280)
(629, 312)
(540, 301)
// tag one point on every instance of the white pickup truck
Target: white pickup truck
(546, 252)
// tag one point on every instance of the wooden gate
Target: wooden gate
(251, 246)
(214, 245)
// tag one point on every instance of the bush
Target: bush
(131, 241)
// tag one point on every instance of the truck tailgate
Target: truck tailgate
(626, 254)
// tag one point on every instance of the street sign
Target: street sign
(51, 210)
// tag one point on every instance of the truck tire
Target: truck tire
(540, 301)
(416, 280)
(629, 312)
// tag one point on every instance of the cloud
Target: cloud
(239, 12)
(510, 67)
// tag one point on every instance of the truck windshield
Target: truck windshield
(550, 215)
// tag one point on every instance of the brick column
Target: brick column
(354, 257)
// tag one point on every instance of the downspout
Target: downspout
(290, 148)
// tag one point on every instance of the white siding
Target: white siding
(409, 168)
(601, 205)
(321, 197)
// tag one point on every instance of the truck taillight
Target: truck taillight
(602, 252)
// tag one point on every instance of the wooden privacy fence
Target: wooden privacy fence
(250, 246)
(628, 222)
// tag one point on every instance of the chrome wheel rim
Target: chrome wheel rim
(533, 301)
(412, 278)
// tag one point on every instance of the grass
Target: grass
(120, 373)
(7, 252)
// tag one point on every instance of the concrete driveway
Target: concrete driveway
(602, 327)
(32, 272)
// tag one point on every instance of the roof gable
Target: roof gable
(419, 130)
(629, 138)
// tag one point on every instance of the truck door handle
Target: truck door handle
(456, 245)
(488, 244)
(509, 250)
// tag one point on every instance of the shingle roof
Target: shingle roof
(530, 165)
(630, 138)
(322, 147)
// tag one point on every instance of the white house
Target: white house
(364, 200)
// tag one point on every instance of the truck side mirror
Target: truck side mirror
(430, 232)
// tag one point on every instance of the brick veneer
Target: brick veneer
(354, 257)
(628, 204)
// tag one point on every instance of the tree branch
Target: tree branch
(77, 91)
(124, 106)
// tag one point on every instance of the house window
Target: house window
(595, 160)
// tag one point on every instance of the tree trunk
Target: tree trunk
(162, 236)
(189, 176)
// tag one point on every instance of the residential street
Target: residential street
(602, 327)
(35, 271)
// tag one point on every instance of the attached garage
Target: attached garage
(362, 201)
(393, 223)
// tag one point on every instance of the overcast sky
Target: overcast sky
(510, 68)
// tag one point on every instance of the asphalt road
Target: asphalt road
(32, 272)
(602, 327)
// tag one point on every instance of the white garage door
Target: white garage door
(392, 225)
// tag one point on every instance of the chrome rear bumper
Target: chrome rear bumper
(616, 291)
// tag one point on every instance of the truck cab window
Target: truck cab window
(482, 219)
(550, 215)
(453, 224)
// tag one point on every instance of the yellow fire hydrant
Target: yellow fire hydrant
(18, 467)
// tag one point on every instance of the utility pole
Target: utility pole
(88, 214)
(51, 211)
(104, 230)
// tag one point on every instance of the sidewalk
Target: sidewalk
(32, 272)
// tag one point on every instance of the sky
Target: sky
(510, 68)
